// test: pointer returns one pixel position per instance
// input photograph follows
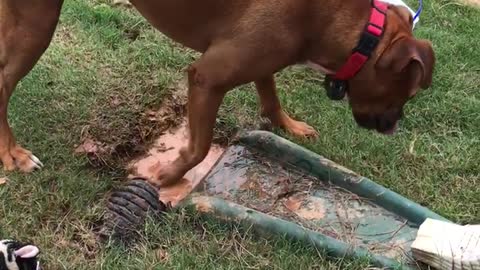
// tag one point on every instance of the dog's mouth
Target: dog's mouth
(386, 123)
(390, 131)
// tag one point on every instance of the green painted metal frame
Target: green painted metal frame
(264, 224)
(323, 169)
(286, 151)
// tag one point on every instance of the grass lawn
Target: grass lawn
(106, 67)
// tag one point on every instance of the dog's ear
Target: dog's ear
(412, 57)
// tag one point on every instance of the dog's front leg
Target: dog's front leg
(209, 79)
(6, 137)
(272, 109)
(12, 155)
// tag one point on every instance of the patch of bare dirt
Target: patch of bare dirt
(142, 141)
(122, 130)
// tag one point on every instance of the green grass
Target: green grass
(107, 66)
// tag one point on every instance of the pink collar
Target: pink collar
(367, 44)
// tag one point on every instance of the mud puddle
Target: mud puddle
(164, 151)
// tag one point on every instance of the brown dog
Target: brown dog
(246, 41)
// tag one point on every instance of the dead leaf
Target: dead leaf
(122, 2)
(3, 180)
(293, 203)
(115, 101)
(162, 255)
(89, 146)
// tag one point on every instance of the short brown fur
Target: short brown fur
(241, 41)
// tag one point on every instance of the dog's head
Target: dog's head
(401, 66)
(17, 256)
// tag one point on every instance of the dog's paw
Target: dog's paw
(163, 175)
(296, 128)
(21, 159)
(300, 129)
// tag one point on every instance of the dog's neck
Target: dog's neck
(346, 23)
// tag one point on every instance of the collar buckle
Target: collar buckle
(367, 44)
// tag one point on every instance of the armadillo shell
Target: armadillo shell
(129, 206)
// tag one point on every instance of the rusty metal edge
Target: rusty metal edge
(290, 153)
(265, 224)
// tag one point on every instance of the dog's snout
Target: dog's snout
(384, 123)
(365, 120)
